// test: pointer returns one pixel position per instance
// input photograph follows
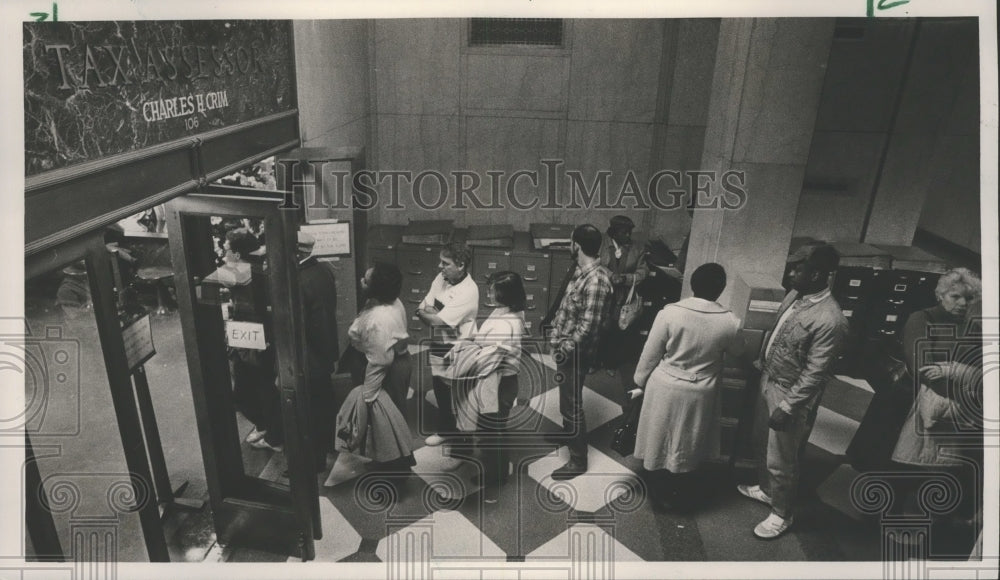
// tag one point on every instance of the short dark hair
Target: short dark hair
(242, 242)
(386, 283)
(509, 290)
(589, 239)
(824, 258)
(458, 252)
(708, 281)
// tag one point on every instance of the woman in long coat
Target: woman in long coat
(679, 372)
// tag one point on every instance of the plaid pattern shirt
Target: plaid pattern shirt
(582, 312)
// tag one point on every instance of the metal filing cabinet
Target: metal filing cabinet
(382, 243)
(419, 267)
(485, 263)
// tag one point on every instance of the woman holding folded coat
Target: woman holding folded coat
(678, 373)
(484, 372)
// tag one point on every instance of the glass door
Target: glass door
(236, 278)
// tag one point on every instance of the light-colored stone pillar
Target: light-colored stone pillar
(765, 93)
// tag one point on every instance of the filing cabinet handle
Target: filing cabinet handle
(417, 327)
(531, 307)
(527, 279)
(415, 300)
(490, 305)
(415, 273)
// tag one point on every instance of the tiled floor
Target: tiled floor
(435, 510)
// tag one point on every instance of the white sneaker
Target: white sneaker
(434, 440)
(255, 436)
(754, 492)
(263, 444)
(772, 527)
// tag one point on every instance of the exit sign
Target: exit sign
(245, 335)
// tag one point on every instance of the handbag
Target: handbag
(623, 439)
(630, 309)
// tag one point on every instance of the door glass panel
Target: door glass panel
(238, 290)
(68, 414)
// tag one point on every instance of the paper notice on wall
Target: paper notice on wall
(332, 239)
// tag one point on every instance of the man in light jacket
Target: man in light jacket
(795, 363)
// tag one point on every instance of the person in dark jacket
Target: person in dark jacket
(319, 305)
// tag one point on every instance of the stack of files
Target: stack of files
(854, 254)
(428, 232)
(910, 258)
(551, 236)
(491, 236)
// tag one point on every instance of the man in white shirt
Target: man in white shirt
(450, 309)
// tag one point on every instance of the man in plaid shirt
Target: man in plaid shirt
(576, 329)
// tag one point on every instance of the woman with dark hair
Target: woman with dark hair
(679, 372)
(369, 423)
(487, 368)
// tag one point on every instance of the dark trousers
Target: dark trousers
(491, 428)
(569, 377)
(445, 415)
(254, 392)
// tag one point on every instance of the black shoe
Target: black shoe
(569, 471)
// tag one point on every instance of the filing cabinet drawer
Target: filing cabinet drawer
(488, 262)
(853, 282)
(413, 291)
(415, 262)
(536, 299)
(380, 255)
(908, 289)
(532, 268)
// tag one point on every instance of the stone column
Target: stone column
(765, 93)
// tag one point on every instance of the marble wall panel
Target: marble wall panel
(755, 238)
(415, 143)
(95, 89)
(417, 66)
(838, 185)
(510, 145)
(331, 69)
(620, 148)
(691, 85)
(504, 82)
(863, 77)
(946, 53)
(964, 118)
(902, 190)
(350, 134)
(952, 209)
(615, 69)
(782, 88)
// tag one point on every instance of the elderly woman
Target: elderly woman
(944, 357)
(679, 370)
(369, 424)
(938, 360)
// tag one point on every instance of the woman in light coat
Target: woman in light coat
(678, 373)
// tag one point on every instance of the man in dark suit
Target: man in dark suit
(319, 305)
